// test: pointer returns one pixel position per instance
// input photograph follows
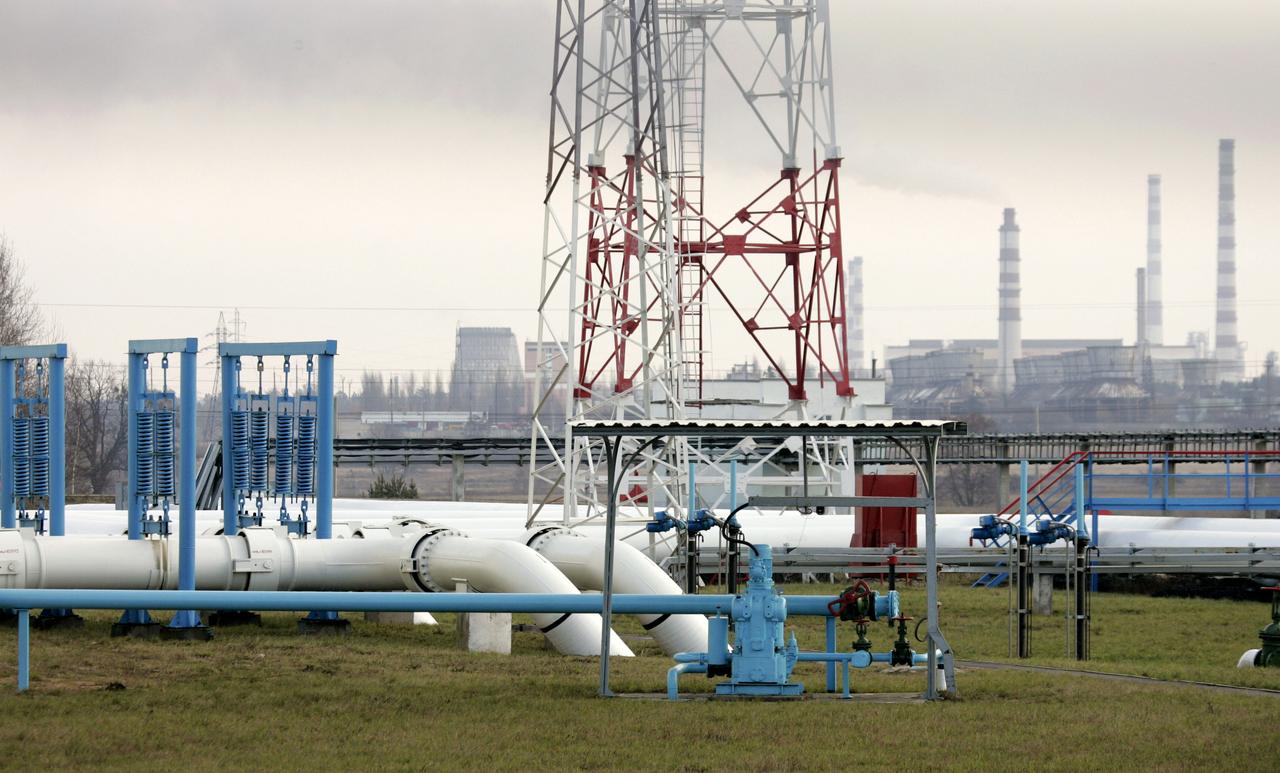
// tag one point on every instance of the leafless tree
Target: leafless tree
(97, 425)
(20, 319)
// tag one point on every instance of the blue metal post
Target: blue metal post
(57, 447)
(324, 451)
(137, 385)
(230, 523)
(8, 508)
(733, 485)
(24, 649)
(187, 618)
(1082, 522)
(831, 664)
(1022, 497)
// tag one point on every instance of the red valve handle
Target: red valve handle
(859, 590)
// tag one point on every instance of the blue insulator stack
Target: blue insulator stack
(284, 454)
(40, 456)
(145, 426)
(164, 454)
(21, 457)
(306, 455)
(259, 432)
(240, 456)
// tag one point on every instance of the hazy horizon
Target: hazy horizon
(374, 172)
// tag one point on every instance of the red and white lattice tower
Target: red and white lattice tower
(635, 253)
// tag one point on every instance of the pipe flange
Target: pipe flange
(536, 538)
(420, 572)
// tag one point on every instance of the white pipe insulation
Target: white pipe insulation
(444, 557)
(389, 558)
(581, 559)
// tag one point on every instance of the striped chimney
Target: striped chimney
(1010, 343)
(1144, 308)
(1226, 345)
(855, 330)
(1153, 312)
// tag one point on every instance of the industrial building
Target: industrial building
(1076, 384)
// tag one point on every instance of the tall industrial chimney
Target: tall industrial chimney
(1010, 302)
(1144, 308)
(1153, 311)
(855, 330)
(1226, 345)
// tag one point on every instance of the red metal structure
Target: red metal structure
(880, 527)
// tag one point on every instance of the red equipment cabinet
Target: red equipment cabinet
(879, 527)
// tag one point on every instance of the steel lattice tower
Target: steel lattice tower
(632, 252)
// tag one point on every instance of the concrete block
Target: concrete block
(484, 631)
(1042, 595)
(401, 618)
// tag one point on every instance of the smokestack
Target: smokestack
(1144, 308)
(1226, 346)
(855, 331)
(1153, 310)
(1010, 301)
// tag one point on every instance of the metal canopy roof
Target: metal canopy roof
(782, 428)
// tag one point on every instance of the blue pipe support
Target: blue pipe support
(24, 649)
(1082, 523)
(324, 442)
(8, 508)
(1022, 497)
(57, 447)
(137, 385)
(187, 618)
(230, 518)
(733, 485)
(693, 491)
(831, 647)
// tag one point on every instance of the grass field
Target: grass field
(405, 698)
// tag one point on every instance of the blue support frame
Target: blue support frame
(54, 356)
(139, 524)
(323, 352)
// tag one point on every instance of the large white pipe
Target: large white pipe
(445, 558)
(413, 558)
(581, 560)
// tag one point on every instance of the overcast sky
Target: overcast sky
(160, 161)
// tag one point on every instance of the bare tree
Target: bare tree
(20, 319)
(97, 424)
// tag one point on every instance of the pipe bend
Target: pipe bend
(503, 566)
(673, 677)
(581, 559)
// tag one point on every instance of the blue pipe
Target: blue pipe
(230, 520)
(8, 508)
(57, 447)
(324, 443)
(390, 601)
(24, 649)
(673, 676)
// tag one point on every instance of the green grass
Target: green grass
(399, 697)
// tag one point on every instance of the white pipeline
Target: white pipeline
(445, 557)
(581, 559)
(388, 558)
